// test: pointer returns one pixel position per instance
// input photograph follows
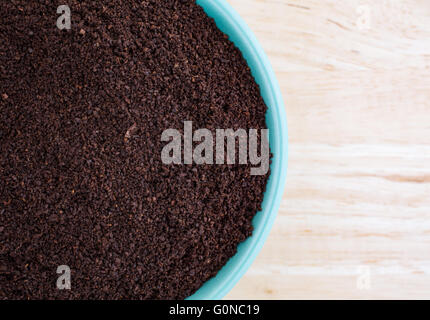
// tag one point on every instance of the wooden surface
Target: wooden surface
(355, 218)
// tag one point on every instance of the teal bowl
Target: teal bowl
(232, 24)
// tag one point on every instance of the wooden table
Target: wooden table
(355, 218)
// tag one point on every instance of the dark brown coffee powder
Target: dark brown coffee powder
(82, 183)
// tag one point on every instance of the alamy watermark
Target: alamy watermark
(364, 20)
(64, 280)
(217, 151)
(65, 20)
(363, 279)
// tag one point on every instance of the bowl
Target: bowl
(232, 24)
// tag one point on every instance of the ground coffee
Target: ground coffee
(82, 181)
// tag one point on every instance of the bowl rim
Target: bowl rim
(217, 287)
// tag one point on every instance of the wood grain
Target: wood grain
(355, 218)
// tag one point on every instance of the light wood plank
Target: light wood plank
(358, 191)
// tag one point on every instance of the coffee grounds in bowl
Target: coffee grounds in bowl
(82, 112)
